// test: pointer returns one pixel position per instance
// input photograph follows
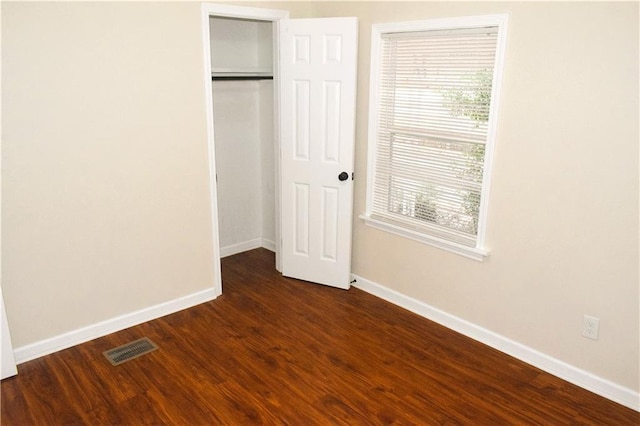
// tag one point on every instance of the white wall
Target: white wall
(243, 128)
(244, 160)
(240, 44)
(267, 161)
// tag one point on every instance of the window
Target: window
(434, 91)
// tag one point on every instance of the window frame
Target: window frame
(480, 251)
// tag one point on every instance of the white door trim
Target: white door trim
(6, 353)
(241, 12)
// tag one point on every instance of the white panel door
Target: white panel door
(317, 120)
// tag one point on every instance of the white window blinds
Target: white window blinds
(434, 98)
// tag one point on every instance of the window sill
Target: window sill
(469, 252)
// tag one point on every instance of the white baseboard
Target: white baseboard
(75, 337)
(584, 379)
(268, 244)
(246, 246)
(240, 247)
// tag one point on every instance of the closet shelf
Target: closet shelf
(215, 77)
(234, 74)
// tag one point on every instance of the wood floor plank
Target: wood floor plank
(273, 350)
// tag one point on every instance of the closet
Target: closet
(243, 116)
(281, 132)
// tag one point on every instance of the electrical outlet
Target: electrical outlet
(590, 327)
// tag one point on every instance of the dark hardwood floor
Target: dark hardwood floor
(272, 350)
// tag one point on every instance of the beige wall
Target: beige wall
(105, 176)
(105, 202)
(563, 213)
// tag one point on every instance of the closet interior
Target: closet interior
(243, 109)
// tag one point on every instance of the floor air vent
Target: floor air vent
(124, 353)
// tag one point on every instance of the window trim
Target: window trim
(480, 251)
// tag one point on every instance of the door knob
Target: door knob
(343, 176)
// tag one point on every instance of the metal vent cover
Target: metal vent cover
(124, 353)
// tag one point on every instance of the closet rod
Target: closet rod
(240, 77)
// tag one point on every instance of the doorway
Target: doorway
(242, 122)
(313, 91)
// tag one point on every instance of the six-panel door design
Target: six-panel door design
(317, 95)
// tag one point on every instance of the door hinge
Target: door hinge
(353, 175)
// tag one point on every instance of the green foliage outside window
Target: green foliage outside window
(471, 100)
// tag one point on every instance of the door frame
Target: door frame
(241, 12)
(6, 352)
